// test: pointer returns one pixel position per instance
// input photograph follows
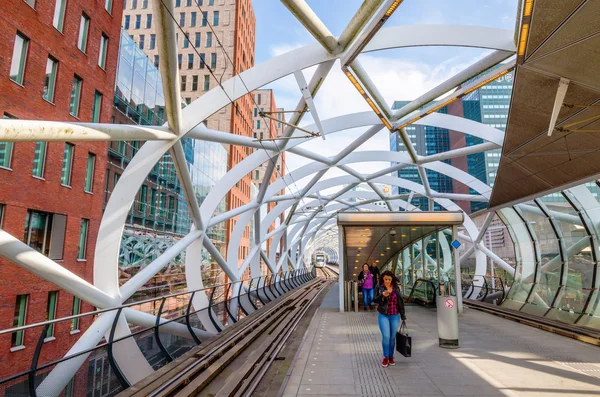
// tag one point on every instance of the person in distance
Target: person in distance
(367, 280)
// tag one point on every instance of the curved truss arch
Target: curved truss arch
(187, 123)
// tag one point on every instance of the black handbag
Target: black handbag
(403, 341)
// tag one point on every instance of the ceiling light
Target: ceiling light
(404, 235)
(414, 228)
(356, 261)
(359, 248)
(387, 248)
(382, 254)
(395, 242)
(357, 254)
(377, 261)
(363, 235)
(367, 228)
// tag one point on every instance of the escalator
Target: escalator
(484, 289)
(423, 293)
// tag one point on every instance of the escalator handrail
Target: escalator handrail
(412, 292)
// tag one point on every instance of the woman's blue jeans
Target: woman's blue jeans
(388, 325)
(367, 296)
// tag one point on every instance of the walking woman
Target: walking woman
(391, 310)
(367, 280)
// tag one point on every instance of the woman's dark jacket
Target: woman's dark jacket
(361, 276)
(382, 301)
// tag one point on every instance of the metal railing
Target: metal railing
(248, 295)
(491, 288)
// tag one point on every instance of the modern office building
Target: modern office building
(59, 60)
(426, 141)
(159, 216)
(265, 127)
(218, 43)
(494, 100)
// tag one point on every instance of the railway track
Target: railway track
(233, 362)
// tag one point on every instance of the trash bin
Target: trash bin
(447, 319)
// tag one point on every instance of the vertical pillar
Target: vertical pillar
(457, 281)
(491, 261)
(342, 267)
(437, 257)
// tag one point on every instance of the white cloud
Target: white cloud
(279, 49)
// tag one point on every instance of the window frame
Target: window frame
(142, 199)
(84, 32)
(88, 186)
(61, 15)
(24, 49)
(103, 52)
(69, 173)
(50, 86)
(42, 160)
(84, 228)
(52, 303)
(19, 336)
(75, 310)
(75, 101)
(97, 107)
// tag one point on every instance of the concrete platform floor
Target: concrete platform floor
(341, 355)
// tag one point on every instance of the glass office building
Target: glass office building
(160, 214)
(427, 141)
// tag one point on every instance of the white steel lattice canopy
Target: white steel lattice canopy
(303, 228)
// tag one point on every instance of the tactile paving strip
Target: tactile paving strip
(366, 361)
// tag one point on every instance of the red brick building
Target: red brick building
(57, 62)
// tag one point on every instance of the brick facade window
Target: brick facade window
(39, 159)
(89, 173)
(83, 235)
(103, 51)
(59, 15)
(19, 58)
(50, 79)
(75, 96)
(20, 319)
(84, 27)
(67, 165)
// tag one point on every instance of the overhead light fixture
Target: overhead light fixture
(359, 248)
(524, 31)
(367, 228)
(382, 254)
(404, 235)
(357, 254)
(414, 229)
(363, 235)
(387, 248)
(395, 242)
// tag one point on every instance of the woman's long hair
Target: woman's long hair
(388, 273)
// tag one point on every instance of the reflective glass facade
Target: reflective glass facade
(138, 91)
(427, 141)
(494, 100)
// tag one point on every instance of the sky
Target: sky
(400, 74)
